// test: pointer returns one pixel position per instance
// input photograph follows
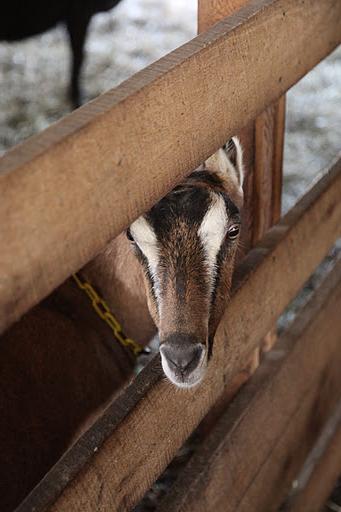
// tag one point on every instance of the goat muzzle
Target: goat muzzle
(184, 359)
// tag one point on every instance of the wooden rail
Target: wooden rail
(321, 470)
(263, 144)
(67, 191)
(248, 462)
(138, 426)
(262, 141)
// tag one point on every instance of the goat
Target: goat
(20, 19)
(60, 365)
(187, 245)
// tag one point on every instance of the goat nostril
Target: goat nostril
(183, 358)
(179, 363)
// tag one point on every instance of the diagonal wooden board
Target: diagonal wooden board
(66, 192)
(106, 469)
(320, 472)
(262, 140)
(248, 462)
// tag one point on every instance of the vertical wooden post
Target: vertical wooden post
(262, 141)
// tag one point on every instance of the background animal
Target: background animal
(24, 18)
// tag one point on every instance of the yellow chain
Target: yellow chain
(103, 311)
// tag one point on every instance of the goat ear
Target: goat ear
(227, 162)
(234, 153)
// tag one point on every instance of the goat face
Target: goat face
(187, 245)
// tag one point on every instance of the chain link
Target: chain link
(103, 311)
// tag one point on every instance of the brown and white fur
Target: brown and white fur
(187, 245)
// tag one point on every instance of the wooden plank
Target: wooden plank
(67, 191)
(212, 11)
(321, 470)
(269, 136)
(268, 177)
(144, 423)
(263, 143)
(251, 457)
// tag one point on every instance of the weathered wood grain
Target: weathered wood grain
(321, 470)
(67, 191)
(209, 13)
(212, 11)
(269, 142)
(257, 448)
(151, 419)
(263, 142)
(269, 131)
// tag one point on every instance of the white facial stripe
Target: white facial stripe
(212, 231)
(145, 238)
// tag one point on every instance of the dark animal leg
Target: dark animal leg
(77, 27)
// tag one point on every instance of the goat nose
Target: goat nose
(184, 357)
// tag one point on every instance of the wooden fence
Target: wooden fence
(111, 160)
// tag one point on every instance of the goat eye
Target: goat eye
(129, 235)
(233, 232)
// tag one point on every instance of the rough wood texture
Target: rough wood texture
(321, 470)
(269, 137)
(67, 191)
(248, 462)
(263, 142)
(145, 422)
(268, 176)
(209, 13)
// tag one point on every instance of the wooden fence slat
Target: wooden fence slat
(263, 143)
(253, 454)
(326, 468)
(269, 142)
(144, 422)
(67, 191)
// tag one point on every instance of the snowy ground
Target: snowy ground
(313, 126)
(34, 73)
(34, 78)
